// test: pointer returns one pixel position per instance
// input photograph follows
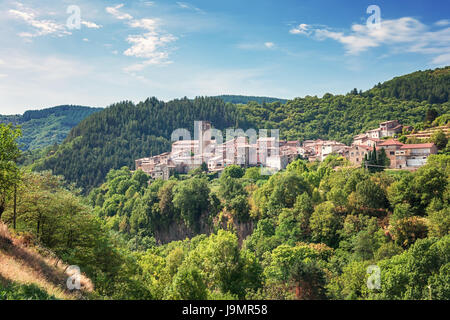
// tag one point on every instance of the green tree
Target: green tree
(188, 284)
(439, 139)
(225, 267)
(324, 223)
(233, 171)
(409, 275)
(370, 195)
(431, 115)
(298, 268)
(191, 199)
(9, 154)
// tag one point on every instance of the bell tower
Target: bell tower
(202, 133)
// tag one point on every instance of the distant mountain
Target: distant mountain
(41, 128)
(246, 99)
(432, 86)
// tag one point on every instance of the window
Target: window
(391, 153)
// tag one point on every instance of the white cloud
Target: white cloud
(91, 25)
(400, 35)
(151, 45)
(117, 14)
(147, 24)
(25, 35)
(185, 5)
(85, 39)
(41, 27)
(300, 29)
(256, 45)
(443, 59)
(146, 45)
(442, 23)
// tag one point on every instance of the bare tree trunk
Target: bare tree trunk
(15, 207)
(38, 225)
(2, 208)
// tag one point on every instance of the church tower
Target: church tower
(202, 133)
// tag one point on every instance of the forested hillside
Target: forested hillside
(246, 99)
(41, 128)
(336, 117)
(430, 85)
(118, 135)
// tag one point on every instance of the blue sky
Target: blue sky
(130, 50)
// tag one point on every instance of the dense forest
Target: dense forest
(430, 85)
(246, 99)
(42, 128)
(318, 231)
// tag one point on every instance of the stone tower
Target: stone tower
(202, 133)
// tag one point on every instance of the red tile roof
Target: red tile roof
(391, 142)
(418, 146)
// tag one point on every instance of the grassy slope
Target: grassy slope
(27, 274)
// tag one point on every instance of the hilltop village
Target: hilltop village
(274, 154)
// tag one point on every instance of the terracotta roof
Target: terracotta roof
(391, 142)
(418, 146)
(365, 147)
